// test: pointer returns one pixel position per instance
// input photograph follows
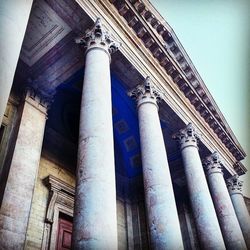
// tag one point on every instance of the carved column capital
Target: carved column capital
(188, 136)
(98, 37)
(234, 185)
(39, 96)
(213, 163)
(146, 92)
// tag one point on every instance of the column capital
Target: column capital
(213, 163)
(234, 185)
(188, 136)
(98, 37)
(146, 92)
(38, 96)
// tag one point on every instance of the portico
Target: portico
(102, 161)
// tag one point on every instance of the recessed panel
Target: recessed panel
(44, 31)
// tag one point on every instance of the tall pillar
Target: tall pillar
(202, 205)
(95, 223)
(235, 190)
(229, 224)
(162, 214)
(14, 15)
(16, 203)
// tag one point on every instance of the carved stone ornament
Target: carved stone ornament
(98, 37)
(38, 93)
(213, 163)
(145, 91)
(234, 184)
(187, 136)
(60, 200)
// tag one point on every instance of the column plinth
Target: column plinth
(95, 223)
(229, 224)
(235, 190)
(159, 196)
(18, 193)
(202, 205)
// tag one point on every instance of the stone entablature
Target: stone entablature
(165, 47)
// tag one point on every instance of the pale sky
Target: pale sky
(216, 36)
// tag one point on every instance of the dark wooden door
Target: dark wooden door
(64, 234)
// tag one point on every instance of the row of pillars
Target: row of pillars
(220, 221)
(95, 223)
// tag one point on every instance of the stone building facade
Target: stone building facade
(109, 137)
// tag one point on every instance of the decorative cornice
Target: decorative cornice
(234, 185)
(41, 95)
(98, 37)
(145, 92)
(213, 164)
(58, 185)
(187, 136)
(160, 39)
(239, 168)
(60, 192)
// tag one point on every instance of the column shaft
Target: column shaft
(159, 195)
(12, 32)
(229, 224)
(235, 190)
(95, 222)
(203, 210)
(18, 193)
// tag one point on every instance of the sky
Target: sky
(216, 36)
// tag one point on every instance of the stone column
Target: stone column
(16, 204)
(235, 190)
(95, 223)
(14, 15)
(229, 224)
(162, 214)
(202, 205)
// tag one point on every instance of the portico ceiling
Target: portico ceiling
(61, 137)
(51, 60)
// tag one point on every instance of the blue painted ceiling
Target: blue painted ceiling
(64, 119)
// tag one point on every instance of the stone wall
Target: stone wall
(40, 200)
(36, 226)
(122, 225)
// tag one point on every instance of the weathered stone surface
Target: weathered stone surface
(203, 209)
(35, 230)
(18, 193)
(95, 177)
(235, 191)
(35, 238)
(229, 224)
(160, 201)
(12, 33)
